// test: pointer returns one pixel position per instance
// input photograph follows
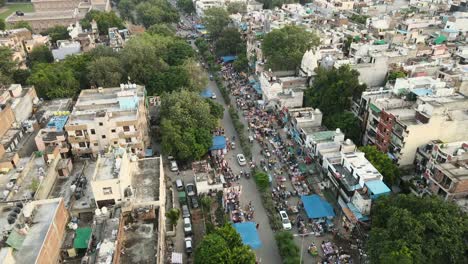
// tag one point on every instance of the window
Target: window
(115, 142)
(96, 144)
(82, 144)
(103, 136)
(93, 132)
(112, 130)
(107, 190)
(128, 140)
(79, 133)
(101, 124)
(126, 128)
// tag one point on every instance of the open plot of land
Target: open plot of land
(11, 8)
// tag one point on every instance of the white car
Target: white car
(213, 96)
(285, 220)
(187, 226)
(188, 245)
(241, 159)
(174, 166)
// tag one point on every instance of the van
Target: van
(179, 185)
(174, 166)
(185, 211)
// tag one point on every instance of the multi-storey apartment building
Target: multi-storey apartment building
(109, 117)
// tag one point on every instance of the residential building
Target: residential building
(302, 122)
(202, 5)
(109, 117)
(282, 89)
(15, 39)
(34, 231)
(54, 135)
(66, 48)
(206, 180)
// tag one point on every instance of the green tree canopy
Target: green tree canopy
(54, 81)
(162, 29)
(241, 64)
(224, 245)
(411, 229)
(7, 65)
(186, 125)
(40, 54)
(288, 250)
(230, 42)
(347, 122)
(2, 24)
(333, 89)
(262, 180)
(197, 76)
(186, 6)
(173, 215)
(284, 48)
(105, 72)
(178, 52)
(215, 20)
(382, 163)
(104, 21)
(57, 33)
(155, 12)
(126, 9)
(393, 75)
(236, 7)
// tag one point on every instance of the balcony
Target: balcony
(129, 134)
(78, 139)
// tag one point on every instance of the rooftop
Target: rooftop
(145, 180)
(457, 171)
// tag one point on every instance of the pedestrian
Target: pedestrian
(258, 225)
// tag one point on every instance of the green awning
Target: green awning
(380, 42)
(82, 236)
(15, 240)
(440, 39)
(374, 108)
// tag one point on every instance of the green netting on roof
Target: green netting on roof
(82, 236)
(357, 38)
(380, 42)
(374, 108)
(15, 240)
(440, 39)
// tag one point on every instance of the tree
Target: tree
(126, 9)
(284, 48)
(186, 6)
(7, 65)
(23, 24)
(236, 7)
(411, 229)
(241, 64)
(262, 180)
(53, 81)
(21, 76)
(170, 79)
(230, 42)
(105, 72)
(197, 77)
(173, 216)
(162, 29)
(156, 11)
(215, 20)
(78, 64)
(216, 109)
(104, 21)
(186, 125)
(333, 89)
(206, 203)
(57, 33)
(178, 52)
(347, 122)
(288, 250)
(224, 245)
(360, 19)
(382, 163)
(2, 24)
(393, 75)
(40, 54)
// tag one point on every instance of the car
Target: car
(285, 220)
(190, 189)
(241, 159)
(179, 185)
(174, 166)
(266, 153)
(194, 202)
(211, 77)
(233, 145)
(213, 96)
(188, 245)
(187, 226)
(185, 211)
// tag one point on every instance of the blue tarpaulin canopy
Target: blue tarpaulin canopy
(257, 87)
(356, 213)
(200, 26)
(228, 58)
(149, 152)
(422, 91)
(316, 207)
(207, 93)
(219, 142)
(377, 188)
(248, 233)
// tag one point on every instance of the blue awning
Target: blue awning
(316, 207)
(227, 59)
(219, 142)
(257, 87)
(356, 213)
(207, 93)
(149, 152)
(200, 26)
(422, 91)
(249, 234)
